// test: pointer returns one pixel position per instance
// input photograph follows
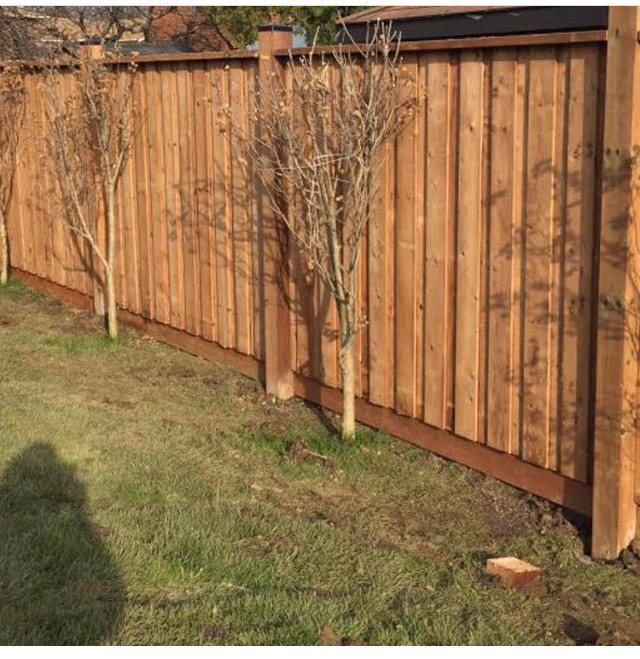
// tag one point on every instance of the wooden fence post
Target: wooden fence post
(614, 507)
(277, 317)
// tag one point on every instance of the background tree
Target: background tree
(12, 106)
(89, 144)
(321, 130)
(240, 25)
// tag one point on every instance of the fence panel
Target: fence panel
(478, 270)
(188, 241)
(480, 256)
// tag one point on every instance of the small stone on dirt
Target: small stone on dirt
(211, 631)
(328, 636)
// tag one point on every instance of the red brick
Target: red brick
(513, 572)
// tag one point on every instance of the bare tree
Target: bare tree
(322, 127)
(12, 106)
(89, 143)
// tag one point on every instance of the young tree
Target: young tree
(89, 143)
(321, 130)
(12, 105)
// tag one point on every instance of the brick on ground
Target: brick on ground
(513, 572)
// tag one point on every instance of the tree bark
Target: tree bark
(110, 280)
(112, 307)
(4, 251)
(347, 365)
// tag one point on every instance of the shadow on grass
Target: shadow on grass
(58, 585)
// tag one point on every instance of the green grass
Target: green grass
(149, 497)
(75, 344)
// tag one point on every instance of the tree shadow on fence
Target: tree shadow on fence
(58, 584)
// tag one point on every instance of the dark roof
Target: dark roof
(421, 23)
(395, 13)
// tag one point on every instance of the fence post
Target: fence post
(614, 507)
(89, 52)
(277, 319)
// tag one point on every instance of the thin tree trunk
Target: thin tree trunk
(110, 280)
(112, 308)
(347, 365)
(4, 251)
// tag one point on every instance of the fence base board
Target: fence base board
(549, 485)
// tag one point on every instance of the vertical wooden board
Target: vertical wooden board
(26, 180)
(40, 197)
(558, 230)
(130, 221)
(210, 128)
(405, 262)
(247, 77)
(578, 260)
(186, 187)
(437, 238)
(378, 316)
(308, 319)
(254, 187)
(223, 291)
(58, 230)
(35, 153)
(538, 237)
(143, 195)
(203, 191)
(74, 245)
(390, 227)
(196, 308)
(325, 334)
(501, 246)
(18, 254)
(240, 231)
(420, 144)
(15, 214)
(157, 191)
(452, 241)
(362, 376)
(172, 190)
(121, 255)
(517, 271)
(36, 206)
(484, 254)
(48, 206)
(468, 251)
(325, 343)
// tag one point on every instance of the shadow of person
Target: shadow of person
(58, 585)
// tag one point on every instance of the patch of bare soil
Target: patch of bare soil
(119, 404)
(590, 623)
(81, 323)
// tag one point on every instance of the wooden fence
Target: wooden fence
(480, 269)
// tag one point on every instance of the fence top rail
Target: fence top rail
(70, 62)
(511, 40)
(187, 57)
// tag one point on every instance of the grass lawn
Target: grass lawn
(151, 497)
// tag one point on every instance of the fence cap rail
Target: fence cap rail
(586, 36)
(110, 58)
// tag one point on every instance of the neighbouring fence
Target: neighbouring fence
(480, 267)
